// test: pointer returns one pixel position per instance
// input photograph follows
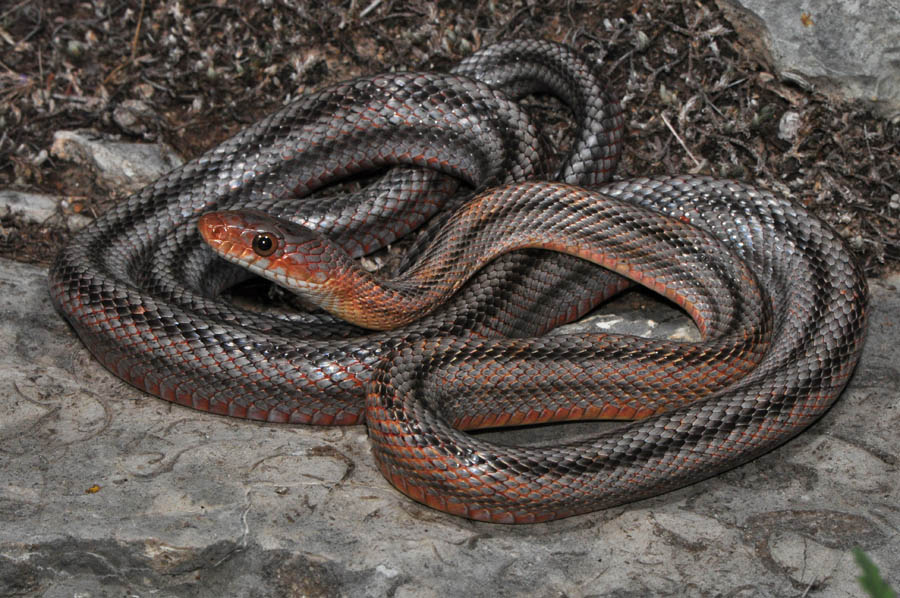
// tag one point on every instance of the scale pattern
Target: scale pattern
(819, 299)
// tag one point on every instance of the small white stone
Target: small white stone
(789, 126)
(387, 571)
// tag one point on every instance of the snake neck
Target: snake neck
(563, 219)
(383, 304)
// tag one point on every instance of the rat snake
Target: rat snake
(141, 290)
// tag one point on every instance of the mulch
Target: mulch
(191, 74)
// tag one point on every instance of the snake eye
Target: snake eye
(264, 244)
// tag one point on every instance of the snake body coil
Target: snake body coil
(139, 288)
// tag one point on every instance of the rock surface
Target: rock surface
(116, 165)
(106, 491)
(844, 48)
(39, 208)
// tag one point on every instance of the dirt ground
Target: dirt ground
(191, 74)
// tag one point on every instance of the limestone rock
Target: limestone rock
(845, 49)
(117, 165)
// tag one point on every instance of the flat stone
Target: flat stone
(107, 491)
(39, 208)
(116, 165)
(847, 49)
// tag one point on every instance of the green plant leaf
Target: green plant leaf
(871, 580)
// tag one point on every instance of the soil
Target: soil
(191, 74)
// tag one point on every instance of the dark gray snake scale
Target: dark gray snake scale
(141, 289)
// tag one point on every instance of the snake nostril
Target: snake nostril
(210, 228)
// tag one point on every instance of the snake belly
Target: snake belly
(140, 291)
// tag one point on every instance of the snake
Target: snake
(775, 292)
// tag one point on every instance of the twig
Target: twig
(134, 43)
(369, 9)
(4, 14)
(868, 145)
(680, 140)
(137, 31)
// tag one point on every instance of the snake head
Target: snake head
(291, 255)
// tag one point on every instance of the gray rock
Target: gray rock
(845, 48)
(135, 117)
(106, 491)
(38, 208)
(117, 165)
(637, 313)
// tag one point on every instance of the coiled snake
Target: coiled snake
(781, 304)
